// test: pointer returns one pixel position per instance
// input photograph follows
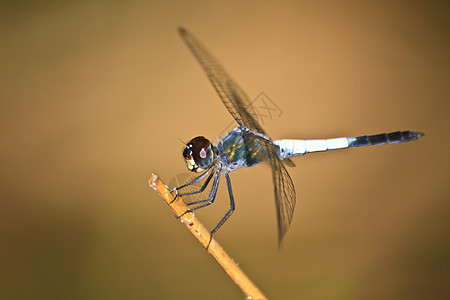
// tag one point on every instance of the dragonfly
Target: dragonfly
(248, 144)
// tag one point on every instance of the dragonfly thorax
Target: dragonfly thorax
(241, 148)
(199, 154)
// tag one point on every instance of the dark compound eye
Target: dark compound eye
(187, 152)
(198, 154)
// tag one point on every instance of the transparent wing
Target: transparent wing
(284, 192)
(232, 96)
(238, 104)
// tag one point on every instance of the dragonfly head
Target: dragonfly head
(199, 154)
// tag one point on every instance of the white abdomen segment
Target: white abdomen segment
(289, 148)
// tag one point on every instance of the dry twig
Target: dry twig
(202, 234)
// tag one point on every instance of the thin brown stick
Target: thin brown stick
(202, 234)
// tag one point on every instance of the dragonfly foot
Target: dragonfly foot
(176, 194)
(209, 243)
(187, 211)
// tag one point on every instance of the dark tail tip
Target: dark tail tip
(417, 134)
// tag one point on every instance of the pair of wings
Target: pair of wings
(238, 104)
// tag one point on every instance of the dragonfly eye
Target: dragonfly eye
(198, 154)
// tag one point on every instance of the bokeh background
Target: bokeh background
(96, 95)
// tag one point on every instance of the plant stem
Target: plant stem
(202, 234)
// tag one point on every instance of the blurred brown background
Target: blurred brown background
(95, 96)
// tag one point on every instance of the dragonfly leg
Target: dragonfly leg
(229, 212)
(202, 188)
(196, 179)
(207, 201)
